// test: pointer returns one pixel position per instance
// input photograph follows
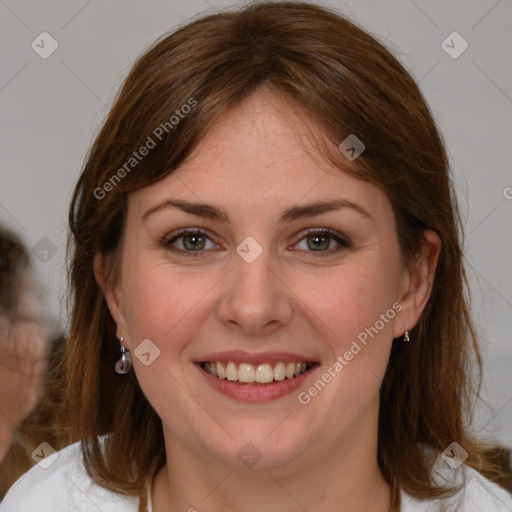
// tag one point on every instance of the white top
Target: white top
(63, 484)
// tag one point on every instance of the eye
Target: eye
(321, 241)
(190, 242)
(193, 242)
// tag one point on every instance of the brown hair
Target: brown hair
(341, 77)
(14, 261)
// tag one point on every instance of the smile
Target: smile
(246, 373)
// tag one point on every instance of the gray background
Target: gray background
(51, 109)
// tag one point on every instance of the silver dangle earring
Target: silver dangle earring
(406, 337)
(124, 363)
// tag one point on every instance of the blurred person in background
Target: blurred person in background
(23, 353)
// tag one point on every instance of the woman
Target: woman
(269, 306)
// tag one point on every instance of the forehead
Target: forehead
(260, 156)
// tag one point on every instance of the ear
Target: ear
(101, 267)
(417, 283)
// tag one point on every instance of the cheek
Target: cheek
(160, 301)
(163, 306)
(349, 300)
(355, 309)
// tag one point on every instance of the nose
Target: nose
(255, 298)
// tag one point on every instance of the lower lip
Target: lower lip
(255, 392)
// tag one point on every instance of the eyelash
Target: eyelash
(343, 242)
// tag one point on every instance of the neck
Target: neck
(347, 479)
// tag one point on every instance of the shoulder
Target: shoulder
(481, 494)
(475, 494)
(60, 482)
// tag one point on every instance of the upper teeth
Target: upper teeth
(263, 373)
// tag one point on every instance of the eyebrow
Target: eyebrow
(290, 214)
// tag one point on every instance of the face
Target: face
(252, 280)
(23, 351)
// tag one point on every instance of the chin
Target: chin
(262, 447)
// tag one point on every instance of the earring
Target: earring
(124, 363)
(406, 337)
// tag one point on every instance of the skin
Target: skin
(320, 456)
(23, 351)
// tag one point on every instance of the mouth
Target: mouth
(264, 378)
(264, 373)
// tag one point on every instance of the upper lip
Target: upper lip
(239, 356)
